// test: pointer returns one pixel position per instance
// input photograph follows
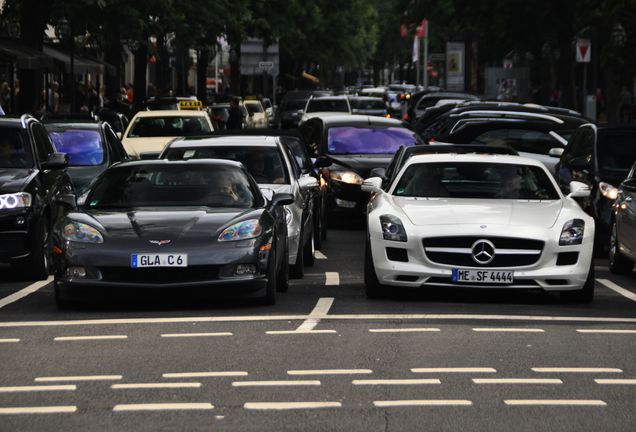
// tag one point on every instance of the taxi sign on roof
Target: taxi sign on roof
(190, 104)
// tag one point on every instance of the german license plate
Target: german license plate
(158, 260)
(483, 276)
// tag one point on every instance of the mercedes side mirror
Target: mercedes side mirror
(282, 199)
(308, 182)
(372, 185)
(68, 201)
(579, 190)
(55, 161)
(556, 152)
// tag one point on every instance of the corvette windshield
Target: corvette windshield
(368, 140)
(476, 180)
(172, 186)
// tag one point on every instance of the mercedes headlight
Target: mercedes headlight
(81, 233)
(572, 233)
(608, 191)
(15, 200)
(348, 177)
(392, 228)
(245, 230)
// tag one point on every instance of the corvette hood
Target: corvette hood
(446, 211)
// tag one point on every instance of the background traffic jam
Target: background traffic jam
(450, 202)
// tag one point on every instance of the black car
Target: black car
(32, 177)
(622, 252)
(419, 102)
(354, 145)
(172, 224)
(90, 148)
(290, 112)
(600, 157)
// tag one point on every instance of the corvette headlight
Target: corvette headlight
(608, 191)
(81, 233)
(572, 233)
(392, 228)
(241, 231)
(348, 177)
(15, 200)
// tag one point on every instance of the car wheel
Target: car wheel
(586, 294)
(270, 288)
(309, 251)
(618, 263)
(38, 264)
(282, 279)
(373, 287)
(297, 271)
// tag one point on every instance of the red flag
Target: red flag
(422, 29)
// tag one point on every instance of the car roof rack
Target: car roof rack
(443, 148)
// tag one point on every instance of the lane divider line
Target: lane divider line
(517, 381)
(395, 382)
(332, 278)
(319, 255)
(24, 389)
(79, 378)
(555, 402)
(508, 330)
(9, 340)
(422, 402)
(163, 406)
(155, 385)
(186, 335)
(85, 338)
(290, 405)
(60, 409)
(575, 370)
(288, 332)
(330, 372)
(617, 288)
(319, 311)
(617, 331)
(404, 330)
(275, 383)
(616, 381)
(455, 370)
(204, 374)
(25, 292)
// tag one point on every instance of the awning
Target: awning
(24, 56)
(81, 65)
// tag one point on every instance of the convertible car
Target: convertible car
(179, 224)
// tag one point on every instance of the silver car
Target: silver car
(273, 170)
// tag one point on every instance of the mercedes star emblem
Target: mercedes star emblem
(483, 252)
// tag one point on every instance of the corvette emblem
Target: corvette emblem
(483, 252)
(160, 242)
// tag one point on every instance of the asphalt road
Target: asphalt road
(324, 358)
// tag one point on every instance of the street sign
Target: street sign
(266, 66)
(583, 51)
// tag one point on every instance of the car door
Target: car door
(311, 131)
(116, 150)
(577, 163)
(626, 213)
(304, 185)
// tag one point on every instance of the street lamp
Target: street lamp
(64, 32)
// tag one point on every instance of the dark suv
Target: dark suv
(32, 179)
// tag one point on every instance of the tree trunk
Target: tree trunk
(139, 86)
(203, 58)
(112, 55)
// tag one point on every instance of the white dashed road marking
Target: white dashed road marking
(430, 402)
(85, 338)
(555, 402)
(617, 288)
(296, 332)
(332, 278)
(290, 405)
(607, 331)
(163, 406)
(155, 385)
(404, 330)
(275, 383)
(508, 330)
(185, 335)
(80, 378)
(320, 311)
(24, 292)
(319, 255)
(24, 389)
(616, 381)
(396, 382)
(204, 374)
(455, 370)
(576, 370)
(9, 340)
(39, 410)
(517, 381)
(330, 372)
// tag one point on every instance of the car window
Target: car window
(168, 126)
(327, 105)
(15, 151)
(311, 131)
(117, 148)
(254, 108)
(172, 186)
(265, 164)
(299, 155)
(522, 140)
(616, 151)
(43, 144)
(82, 146)
(476, 180)
(368, 140)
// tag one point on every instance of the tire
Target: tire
(38, 264)
(373, 288)
(309, 251)
(270, 289)
(297, 271)
(584, 295)
(282, 279)
(618, 262)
